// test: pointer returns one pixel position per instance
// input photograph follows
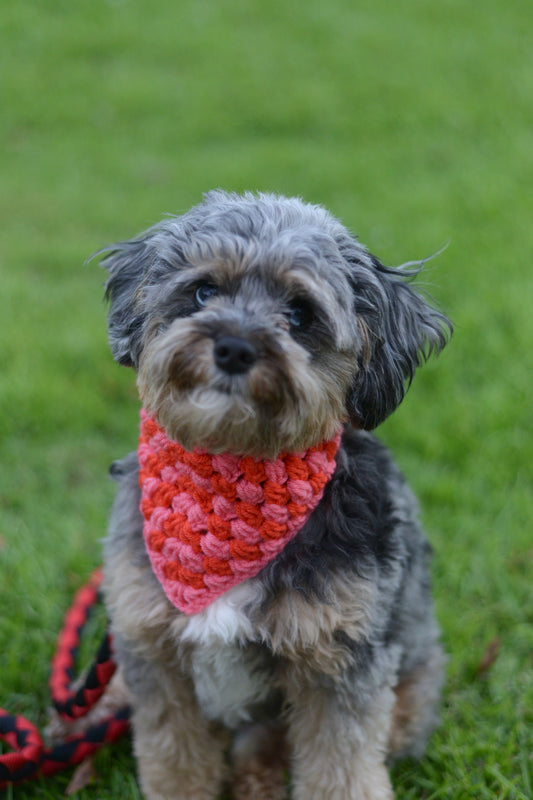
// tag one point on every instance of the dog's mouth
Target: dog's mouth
(259, 391)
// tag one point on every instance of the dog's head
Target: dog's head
(258, 324)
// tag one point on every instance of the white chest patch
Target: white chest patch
(229, 675)
(226, 619)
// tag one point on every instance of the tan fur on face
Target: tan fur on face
(285, 402)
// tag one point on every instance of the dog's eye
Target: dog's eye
(204, 293)
(300, 314)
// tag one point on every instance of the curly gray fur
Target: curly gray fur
(259, 323)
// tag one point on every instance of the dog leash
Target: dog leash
(29, 757)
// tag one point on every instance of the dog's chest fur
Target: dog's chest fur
(232, 674)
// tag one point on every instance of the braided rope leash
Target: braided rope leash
(30, 757)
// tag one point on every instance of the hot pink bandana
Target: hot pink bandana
(212, 521)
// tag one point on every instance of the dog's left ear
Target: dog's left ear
(127, 264)
(400, 330)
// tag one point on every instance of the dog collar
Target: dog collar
(213, 521)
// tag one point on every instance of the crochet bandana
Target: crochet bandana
(212, 521)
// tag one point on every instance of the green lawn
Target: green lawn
(413, 122)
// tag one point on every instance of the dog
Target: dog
(277, 619)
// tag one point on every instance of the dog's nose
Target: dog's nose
(234, 355)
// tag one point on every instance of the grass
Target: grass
(413, 123)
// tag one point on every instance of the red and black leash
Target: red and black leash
(30, 758)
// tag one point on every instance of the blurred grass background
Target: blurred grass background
(413, 123)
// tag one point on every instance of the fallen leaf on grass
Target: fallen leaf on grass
(489, 657)
(83, 776)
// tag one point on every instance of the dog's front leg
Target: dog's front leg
(180, 754)
(338, 752)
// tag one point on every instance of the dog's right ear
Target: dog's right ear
(127, 264)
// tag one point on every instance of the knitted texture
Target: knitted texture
(212, 521)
